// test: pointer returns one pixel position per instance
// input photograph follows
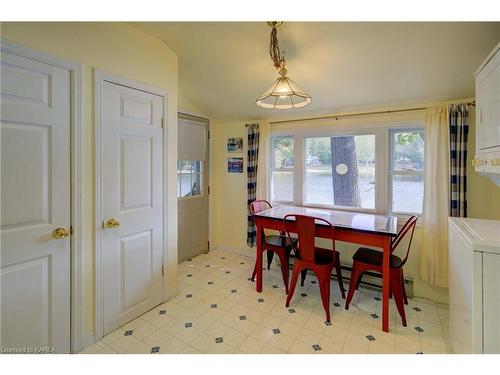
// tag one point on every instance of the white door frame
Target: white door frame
(100, 77)
(75, 70)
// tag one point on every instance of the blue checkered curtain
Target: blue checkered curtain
(253, 157)
(459, 130)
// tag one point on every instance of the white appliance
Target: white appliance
(474, 285)
(487, 160)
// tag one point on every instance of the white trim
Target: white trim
(76, 90)
(87, 341)
(246, 253)
(168, 291)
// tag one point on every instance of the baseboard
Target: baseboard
(87, 341)
(245, 253)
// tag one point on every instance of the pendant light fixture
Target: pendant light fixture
(283, 93)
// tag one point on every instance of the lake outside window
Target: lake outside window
(282, 168)
(340, 171)
(406, 179)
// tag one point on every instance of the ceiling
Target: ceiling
(225, 66)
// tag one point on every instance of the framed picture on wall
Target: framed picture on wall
(235, 165)
(234, 144)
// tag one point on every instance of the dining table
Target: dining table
(360, 228)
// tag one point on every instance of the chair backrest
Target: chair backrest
(306, 232)
(408, 228)
(258, 206)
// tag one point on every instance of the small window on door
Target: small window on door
(189, 178)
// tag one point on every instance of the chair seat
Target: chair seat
(323, 256)
(375, 257)
(278, 241)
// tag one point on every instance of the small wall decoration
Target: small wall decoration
(235, 165)
(234, 144)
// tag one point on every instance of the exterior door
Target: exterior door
(192, 187)
(132, 202)
(35, 211)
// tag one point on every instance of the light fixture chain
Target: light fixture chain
(274, 50)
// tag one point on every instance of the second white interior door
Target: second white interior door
(192, 189)
(132, 202)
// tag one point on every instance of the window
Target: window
(369, 168)
(189, 178)
(340, 171)
(406, 178)
(282, 168)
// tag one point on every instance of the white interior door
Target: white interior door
(192, 189)
(132, 197)
(35, 198)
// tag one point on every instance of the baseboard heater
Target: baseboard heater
(369, 284)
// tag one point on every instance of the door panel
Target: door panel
(132, 182)
(136, 165)
(491, 304)
(35, 199)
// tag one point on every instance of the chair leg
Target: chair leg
(254, 272)
(359, 280)
(293, 284)
(338, 270)
(405, 298)
(284, 269)
(355, 273)
(324, 288)
(396, 281)
(270, 255)
(303, 275)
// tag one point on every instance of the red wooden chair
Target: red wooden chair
(308, 256)
(371, 260)
(279, 244)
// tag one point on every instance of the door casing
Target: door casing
(169, 290)
(76, 165)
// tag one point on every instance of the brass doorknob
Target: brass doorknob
(60, 233)
(112, 223)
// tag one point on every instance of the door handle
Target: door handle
(112, 223)
(60, 233)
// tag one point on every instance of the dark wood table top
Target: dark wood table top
(364, 222)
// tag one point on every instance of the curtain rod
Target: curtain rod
(336, 117)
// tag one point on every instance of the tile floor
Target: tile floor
(219, 311)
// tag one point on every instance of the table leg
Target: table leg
(259, 259)
(386, 284)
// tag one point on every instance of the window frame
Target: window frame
(391, 172)
(383, 186)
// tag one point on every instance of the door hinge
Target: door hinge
(71, 229)
(162, 270)
(209, 134)
(208, 190)
(162, 122)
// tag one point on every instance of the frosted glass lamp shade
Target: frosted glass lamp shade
(284, 94)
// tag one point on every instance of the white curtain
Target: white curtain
(262, 175)
(434, 255)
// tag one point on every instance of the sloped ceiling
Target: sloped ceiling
(225, 66)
